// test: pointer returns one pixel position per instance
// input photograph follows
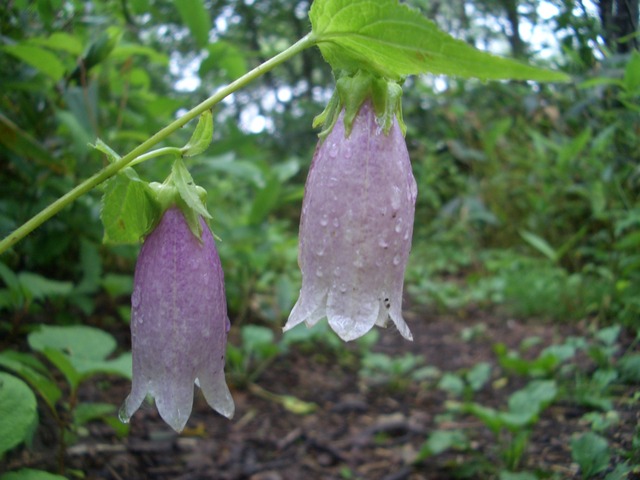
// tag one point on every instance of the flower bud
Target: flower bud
(179, 322)
(356, 228)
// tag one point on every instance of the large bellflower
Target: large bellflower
(179, 322)
(356, 228)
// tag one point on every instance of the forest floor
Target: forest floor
(361, 428)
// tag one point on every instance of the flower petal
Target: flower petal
(310, 307)
(215, 390)
(179, 320)
(351, 315)
(174, 400)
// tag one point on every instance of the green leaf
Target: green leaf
(77, 341)
(112, 156)
(39, 58)
(37, 287)
(591, 452)
(534, 397)
(224, 56)
(540, 244)
(86, 412)
(452, 384)
(187, 188)
(59, 41)
(195, 16)
(129, 209)
(18, 412)
(629, 368)
(265, 201)
(127, 50)
(393, 40)
(632, 74)
(79, 351)
(442, 440)
(202, 136)
(489, 416)
(505, 475)
(31, 474)
(479, 375)
(63, 363)
(34, 372)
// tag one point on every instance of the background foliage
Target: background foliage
(529, 195)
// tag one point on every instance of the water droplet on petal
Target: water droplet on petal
(337, 271)
(135, 298)
(122, 413)
(396, 260)
(319, 273)
(348, 152)
(395, 197)
(333, 150)
(324, 221)
(336, 222)
(383, 243)
(406, 234)
(399, 223)
(343, 288)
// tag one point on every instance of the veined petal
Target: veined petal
(179, 321)
(356, 228)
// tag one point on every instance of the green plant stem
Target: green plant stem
(155, 153)
(110, 170)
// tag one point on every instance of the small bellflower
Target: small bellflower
(179, 322)
(356, 228)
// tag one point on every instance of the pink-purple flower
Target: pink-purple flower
(356, 229)
(179, 322)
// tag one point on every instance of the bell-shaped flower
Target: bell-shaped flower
(179, 322)
(356, 228)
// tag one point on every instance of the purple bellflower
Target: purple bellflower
(356, 228)
(179, 322)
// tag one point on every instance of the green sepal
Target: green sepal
(352, 91)
(202, 136)
(129, 209)
(180, 190)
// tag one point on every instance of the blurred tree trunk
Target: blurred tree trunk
(619, 19)
(518, 47)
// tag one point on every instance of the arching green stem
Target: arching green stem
(134, 155)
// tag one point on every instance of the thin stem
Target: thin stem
(155, 153)
(113, 168)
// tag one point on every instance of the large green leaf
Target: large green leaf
(393, 40)
(79, 351)
(18, 413)
(34, 372)
(77, 341)
(39, 58)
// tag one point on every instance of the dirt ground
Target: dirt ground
(360, 430)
